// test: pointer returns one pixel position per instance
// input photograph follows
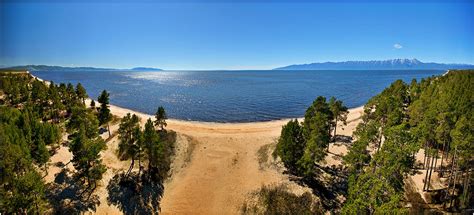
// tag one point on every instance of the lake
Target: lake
(233, 96)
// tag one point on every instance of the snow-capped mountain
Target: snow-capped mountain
(376, 65)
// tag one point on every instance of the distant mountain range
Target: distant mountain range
(144, 69)
(405, 64)
(393, 64)
(73, 69)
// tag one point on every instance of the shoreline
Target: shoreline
(138, 113)
(122, 111)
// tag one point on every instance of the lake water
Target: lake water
(232, 96)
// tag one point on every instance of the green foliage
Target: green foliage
(21, 187)
(148, 144)
(301, 147)
(358, 156)
(291, 144)
(40, 153)
(319, 110)
(339, 113)
(104, 112)
(86, 157)
(395, 159)
(85, 119)
(81, 92)
(435, 113)
(370, 194)
(463, 141)
(25, 195)
(29, 123)
(160, 117)
(129, 135)
(318, 119)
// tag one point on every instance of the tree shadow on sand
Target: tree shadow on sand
(67, 195)
(328, 191)
(132, 197)
(343, 139)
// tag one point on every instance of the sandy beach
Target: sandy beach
(216, 165)
(220, 169)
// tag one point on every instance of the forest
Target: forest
(37, 117)
(431, 118)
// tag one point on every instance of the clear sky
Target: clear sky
(190, 34)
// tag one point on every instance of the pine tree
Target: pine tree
(81, 92)
(291, 144)
(160, 118)
(129, 134)
(104, 112)
(41, 154)
(339, 112)
(83, 118)
(151, 141)
(86, 158)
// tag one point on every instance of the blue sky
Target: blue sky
(245, 35)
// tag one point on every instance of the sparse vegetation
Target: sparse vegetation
(278, 200)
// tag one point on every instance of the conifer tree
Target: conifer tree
(160, 118)
(130, 137)
(81, 92)
(291, 144)
(339, 112)
(104, 112)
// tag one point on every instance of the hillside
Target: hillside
(74, 69)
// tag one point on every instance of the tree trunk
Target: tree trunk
(108, 128)
(454, 188)
(466, 187)
(139, 164)
(36, 204)
(380, 141)
(131, 166)
(440, 168)
(450, 177)
(436, 157)
(426, 155)
(426, 176)
(45, 169)
(335, 128)
(454, 181)
(431, 170)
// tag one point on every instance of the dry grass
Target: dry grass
(279, 200)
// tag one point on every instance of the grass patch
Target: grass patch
(278, 200)
(189, 152)
(265, 155)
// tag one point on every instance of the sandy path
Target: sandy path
(224, 167)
